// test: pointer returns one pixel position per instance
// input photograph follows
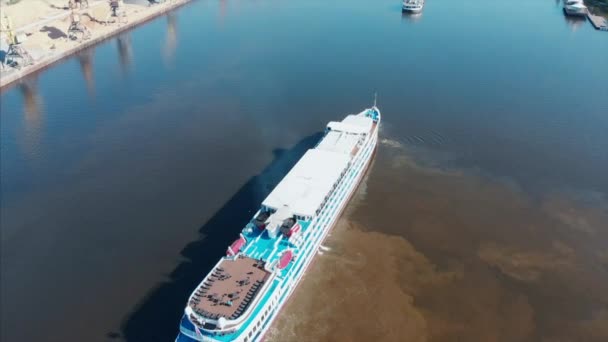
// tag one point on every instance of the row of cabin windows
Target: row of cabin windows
(326, 221)
(327, 197)
(333, 188)
(260, 321)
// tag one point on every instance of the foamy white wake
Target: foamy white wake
(324, 248)
(391, 143)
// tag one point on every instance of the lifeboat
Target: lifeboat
(293, 230)
(260, 220)
(285, 258)
(236, 246)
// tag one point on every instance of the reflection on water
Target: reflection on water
(171, 37)
(575, 23)
(222, 11)
(434, 255)
(411, 17)
(32, 117)
(125, 53)
(31, 101)
(85, 58)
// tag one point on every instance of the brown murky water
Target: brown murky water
(429, 254)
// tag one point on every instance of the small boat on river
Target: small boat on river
(412, 6)
(575, 8)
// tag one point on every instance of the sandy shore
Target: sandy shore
(45, 25)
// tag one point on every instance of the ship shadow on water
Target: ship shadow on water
(157, 315)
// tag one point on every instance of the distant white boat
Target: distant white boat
(575, 8)
(413, 6)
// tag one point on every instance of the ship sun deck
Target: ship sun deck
(337, 141)
(306, 186)
(230, 288)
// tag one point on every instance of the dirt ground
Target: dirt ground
(44, 25)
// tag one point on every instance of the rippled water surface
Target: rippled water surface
(127, 169)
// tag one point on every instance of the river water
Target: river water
(127, 169)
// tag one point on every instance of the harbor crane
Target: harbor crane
(78, 4)
(77, 30)
(16, 55)
(117, 11)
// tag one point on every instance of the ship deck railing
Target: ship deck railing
(220, 295)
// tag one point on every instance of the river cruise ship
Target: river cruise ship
(242, 295)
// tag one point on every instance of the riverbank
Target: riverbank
(598, 7)
(598, 14)
(45, 26)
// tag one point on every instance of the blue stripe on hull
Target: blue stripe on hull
(183, 338)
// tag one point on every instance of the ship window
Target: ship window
(246, 339)
(254, 328)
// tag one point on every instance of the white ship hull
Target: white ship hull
(576, 12)
(412, 9)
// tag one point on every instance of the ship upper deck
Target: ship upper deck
(306, 186)
(337, 141)
(309, 182)
(230, 288)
